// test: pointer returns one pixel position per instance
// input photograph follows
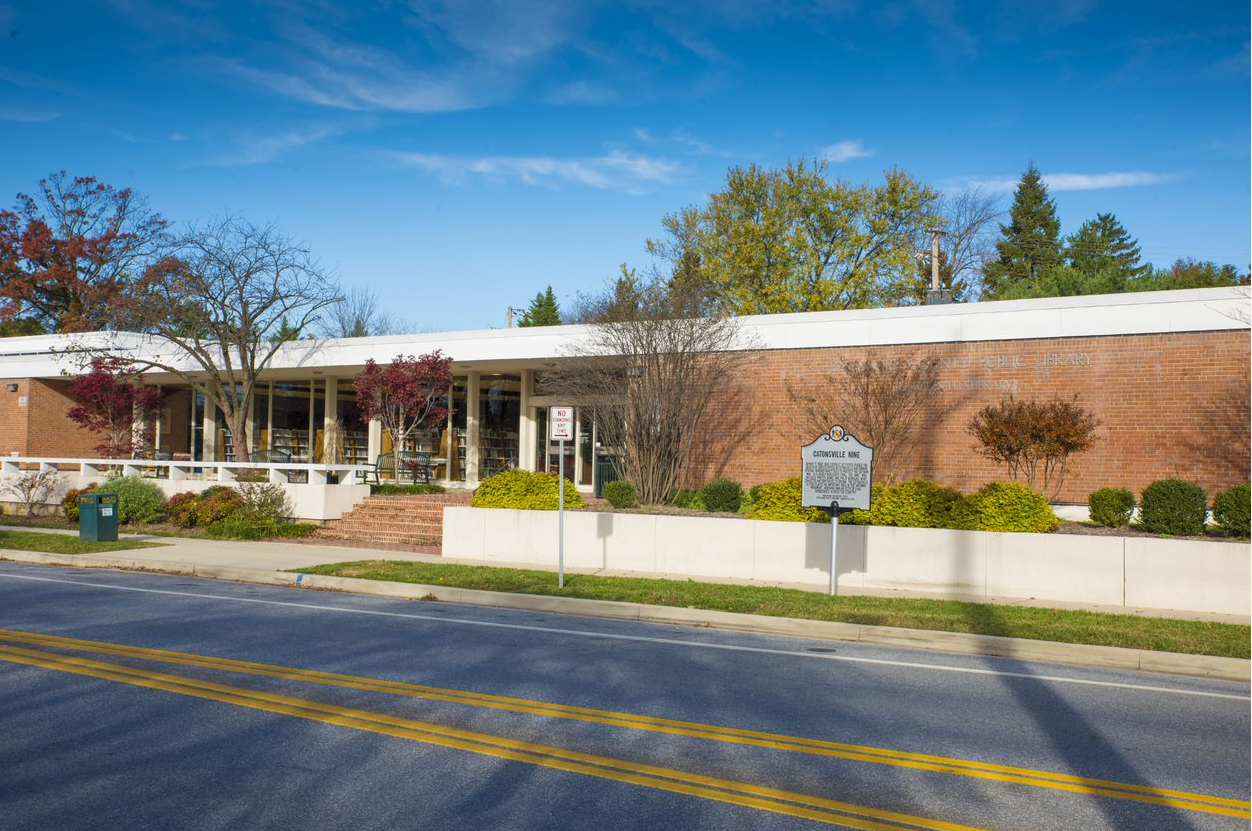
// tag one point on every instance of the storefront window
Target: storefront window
(499, 412)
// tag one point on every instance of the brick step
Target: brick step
(395, 519)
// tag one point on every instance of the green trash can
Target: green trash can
(97, 517)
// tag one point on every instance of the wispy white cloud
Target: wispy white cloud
(28, 116)
(253, 149)
(1067, 181)
(845, 151)
(581, 92)
(615, 171)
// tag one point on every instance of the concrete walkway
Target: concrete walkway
(284, 556)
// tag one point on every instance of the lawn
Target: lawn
(63, 543)
(1062, 625)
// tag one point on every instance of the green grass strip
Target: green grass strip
(1061, 625)
(64, 544)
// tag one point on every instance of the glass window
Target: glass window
(500, 407)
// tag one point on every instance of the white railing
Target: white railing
(178, 470)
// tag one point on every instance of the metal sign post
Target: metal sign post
(560, 430)
(836, 478)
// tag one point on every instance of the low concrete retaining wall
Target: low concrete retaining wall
(1121, 571)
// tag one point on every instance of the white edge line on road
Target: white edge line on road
(643, 639)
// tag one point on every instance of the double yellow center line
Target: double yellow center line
(903, 759)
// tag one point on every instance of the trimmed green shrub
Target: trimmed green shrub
(216, 504)
(1111, 507)
(621, 494)
(916, 504)
(1005, 506)
(692, 500)
(723, 495)
(746, 502)
(138, 500)
(69, 503)
(525, 490)
(266, 501)
(241, 527)
(1231, 511)
(1174, 507)
(393, 490)
(865, 517)
(780, 502)
(181, 509)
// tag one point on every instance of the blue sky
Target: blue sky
(458, 157)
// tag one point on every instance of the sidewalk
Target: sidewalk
(283, 556)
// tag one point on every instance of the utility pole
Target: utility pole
(508, 320)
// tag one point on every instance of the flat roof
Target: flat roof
(506, 350)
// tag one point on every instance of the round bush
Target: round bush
(621, 494)
(1174, 507)
(1111, 507)
(181, 509)
(916, 504)
(69, 504)
(1005, 506)
(266, 501)
(722, 495)
(139, 500)
(525, 490)
(217, 503)
(1231, 511)
(780, 502)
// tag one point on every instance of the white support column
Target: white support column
(85, 469)
(132, 470)
(526, 427)
(329, 418)
(209, 427)
(471, 427)
(375, 440)
(225, 474)
(9, 468)
(177, 473)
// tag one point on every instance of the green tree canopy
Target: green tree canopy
(1190, 273)
(792, 240)
(1030, 244)
(543, 311)
(1103, 245)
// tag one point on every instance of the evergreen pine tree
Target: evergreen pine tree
(1030, 243)
(1104, 245)
(543, 310)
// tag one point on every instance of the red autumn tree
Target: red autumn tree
(111, 399)
(405, 394)
(69, 253)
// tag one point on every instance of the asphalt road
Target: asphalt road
(149, 701)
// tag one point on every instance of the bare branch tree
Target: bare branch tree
(971, 229)
(646, 374)
(32, 488)
(359, 314)
(217, 312)
(881, 402)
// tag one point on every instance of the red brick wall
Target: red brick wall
(14, 415)
(51, 433)
(1173, 405)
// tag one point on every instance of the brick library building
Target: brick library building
(1165, 373)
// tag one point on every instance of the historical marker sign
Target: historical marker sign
(836, 472)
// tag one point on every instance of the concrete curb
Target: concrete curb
(1107, 657)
